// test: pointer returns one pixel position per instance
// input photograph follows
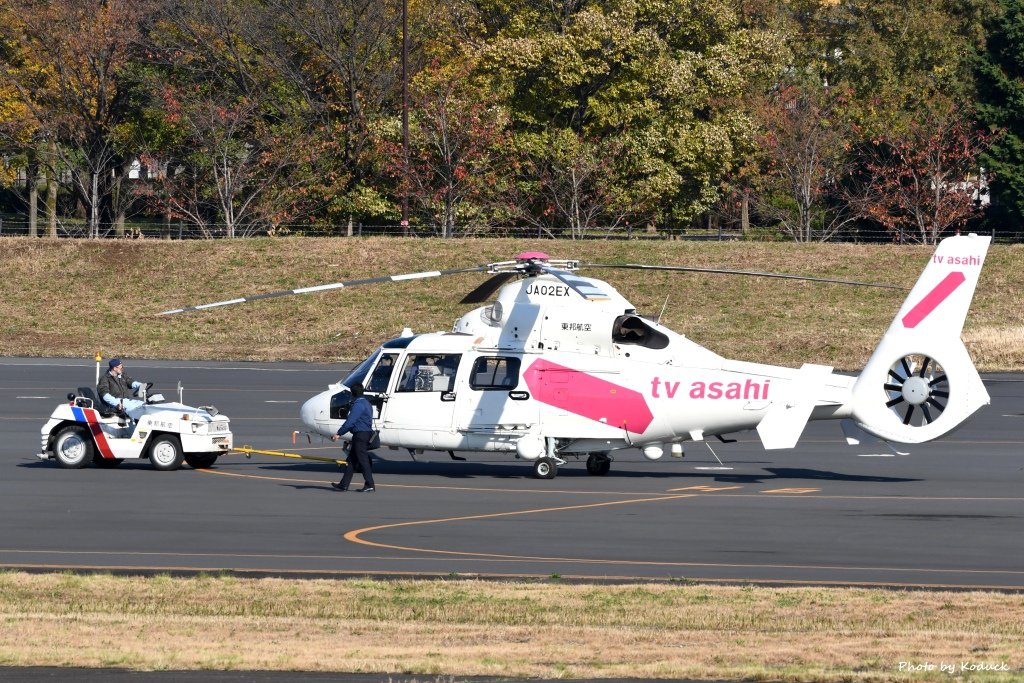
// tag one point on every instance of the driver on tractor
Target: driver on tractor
(117, 389)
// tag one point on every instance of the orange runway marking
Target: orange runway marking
(356, 535)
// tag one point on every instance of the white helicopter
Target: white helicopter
(561, 365)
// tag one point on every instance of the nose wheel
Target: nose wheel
(545, 468)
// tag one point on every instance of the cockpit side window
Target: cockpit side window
(632, 329)
(381, 375)
(429, 372)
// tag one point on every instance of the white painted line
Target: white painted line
(280, 401)
(876, 455)
(31, 397)
(712, 468)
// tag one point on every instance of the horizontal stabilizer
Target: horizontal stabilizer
(785, 420)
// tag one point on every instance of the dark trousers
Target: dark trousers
(358, 451)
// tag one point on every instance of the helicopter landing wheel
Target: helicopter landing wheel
(545, 468)
(598, 464)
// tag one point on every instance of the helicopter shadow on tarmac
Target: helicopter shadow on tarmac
(500, 471)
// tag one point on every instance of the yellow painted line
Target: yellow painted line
(793, 490)
(354, 535)
(260, 476)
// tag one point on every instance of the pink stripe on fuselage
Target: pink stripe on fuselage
(931, 300)
(588, 396)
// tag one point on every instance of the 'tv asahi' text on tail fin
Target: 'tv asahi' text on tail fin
(920, 383)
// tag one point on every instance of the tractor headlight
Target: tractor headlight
(198, 427)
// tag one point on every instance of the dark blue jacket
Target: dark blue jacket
(360, 417)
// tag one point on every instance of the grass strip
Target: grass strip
(539, 629)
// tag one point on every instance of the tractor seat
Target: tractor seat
(101, 406)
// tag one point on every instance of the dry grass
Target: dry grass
(509, 629)
(75, 297)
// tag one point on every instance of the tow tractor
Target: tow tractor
(85, 430)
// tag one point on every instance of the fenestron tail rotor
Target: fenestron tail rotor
(918, 389)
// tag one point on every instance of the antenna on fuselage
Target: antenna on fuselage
(722, 465)
(663, 307)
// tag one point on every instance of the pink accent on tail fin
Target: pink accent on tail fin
(932, 300)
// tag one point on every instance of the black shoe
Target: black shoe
(338, 487)
(366, 489)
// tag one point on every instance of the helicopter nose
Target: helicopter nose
(315, 409)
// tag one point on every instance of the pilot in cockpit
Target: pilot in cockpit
(420, 373)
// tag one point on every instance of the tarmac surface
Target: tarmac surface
(950, 514)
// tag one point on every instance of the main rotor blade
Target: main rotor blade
(751, 273)
(484, 291)
(333, 285)
(580, 285)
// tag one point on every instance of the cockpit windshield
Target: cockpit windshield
(359, 373)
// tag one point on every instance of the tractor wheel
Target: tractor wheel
(73, 447)
(106, 463)
(165, 452)
(201, 461)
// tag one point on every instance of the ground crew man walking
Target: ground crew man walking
(360, 423)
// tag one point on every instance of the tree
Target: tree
(237, 145)
(924, 182)
(806, 148)
(578, 185)
(895, 57)
(1000, 74)
(343, 58)
(458, 143)
(77, 92)
(656, 77)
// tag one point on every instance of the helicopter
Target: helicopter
(560, 365)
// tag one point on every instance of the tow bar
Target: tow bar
(248, 452)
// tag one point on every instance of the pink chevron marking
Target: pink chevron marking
(588, 396)
(933, 298)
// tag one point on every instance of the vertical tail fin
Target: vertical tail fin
(920, 383)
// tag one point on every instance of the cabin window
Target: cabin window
(381, 376)
(634, 330)
(429, 372)
(495, 373)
